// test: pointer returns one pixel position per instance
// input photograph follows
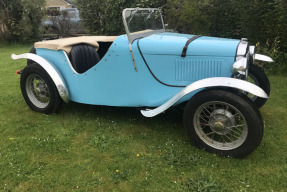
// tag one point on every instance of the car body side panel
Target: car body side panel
(205, 57)
(175, 70)
(113, 81)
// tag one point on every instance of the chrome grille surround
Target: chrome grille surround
(244, 51)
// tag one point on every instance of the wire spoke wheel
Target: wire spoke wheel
(220, 125)
(224, 123)
(37, 91)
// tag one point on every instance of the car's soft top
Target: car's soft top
(67, 43)
(173, 44)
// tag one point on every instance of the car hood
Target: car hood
(173, 43)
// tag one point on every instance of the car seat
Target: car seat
(83, 57)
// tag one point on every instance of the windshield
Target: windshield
(141, 22)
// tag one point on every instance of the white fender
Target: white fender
(204, 83)
(56, 77)
(263, 58)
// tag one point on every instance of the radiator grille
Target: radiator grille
(195, 69)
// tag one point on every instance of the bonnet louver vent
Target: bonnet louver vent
(195, 69)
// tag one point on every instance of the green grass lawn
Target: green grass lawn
(96, 148)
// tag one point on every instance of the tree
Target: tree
(20, 19)
(105, 17)
(263, 22)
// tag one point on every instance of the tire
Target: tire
(223, 123)
(259, 78)
(32, 50)
(39, 90)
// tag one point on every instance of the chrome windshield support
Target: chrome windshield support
(133, 57)
(128, 15)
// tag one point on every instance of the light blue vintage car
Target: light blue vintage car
(155, 70)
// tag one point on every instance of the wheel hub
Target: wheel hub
(41, 90)
(37, 91)
(221, 120)
(218, 126)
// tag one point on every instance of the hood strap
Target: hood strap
(183, 54)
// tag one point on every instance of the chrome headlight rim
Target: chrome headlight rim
(240, 66)
(244, 50)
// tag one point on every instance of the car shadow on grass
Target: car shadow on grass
(169, 121)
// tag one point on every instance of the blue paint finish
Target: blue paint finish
(173, 43)
(114, 81)
(175, 70)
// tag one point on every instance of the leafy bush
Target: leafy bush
(105, 17)
(263, 22)
(20, 19)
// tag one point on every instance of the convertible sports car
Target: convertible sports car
(155, 70)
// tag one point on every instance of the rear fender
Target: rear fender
(207, 83)
(56, 76)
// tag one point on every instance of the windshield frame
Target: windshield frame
(140, 34)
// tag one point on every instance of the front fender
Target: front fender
(56, 77)
(205, 83)
(263, 58)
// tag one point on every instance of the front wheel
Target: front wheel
(223, 123)
(259, 78)
(39, 90)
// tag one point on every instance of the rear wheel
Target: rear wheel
(32, 50)
(39, 90)
(223, 123)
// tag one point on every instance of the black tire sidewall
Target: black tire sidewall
(250, 113)
(55, 100)
(32, 50)
(263, 82)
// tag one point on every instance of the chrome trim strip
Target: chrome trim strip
(204, 83)
(263, 58)
(58, 80)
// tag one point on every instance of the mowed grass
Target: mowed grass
(97, 148)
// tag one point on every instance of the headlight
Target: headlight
(244, 56)
(242, 49)
(240, 66)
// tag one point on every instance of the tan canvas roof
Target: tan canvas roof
(67, 43)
